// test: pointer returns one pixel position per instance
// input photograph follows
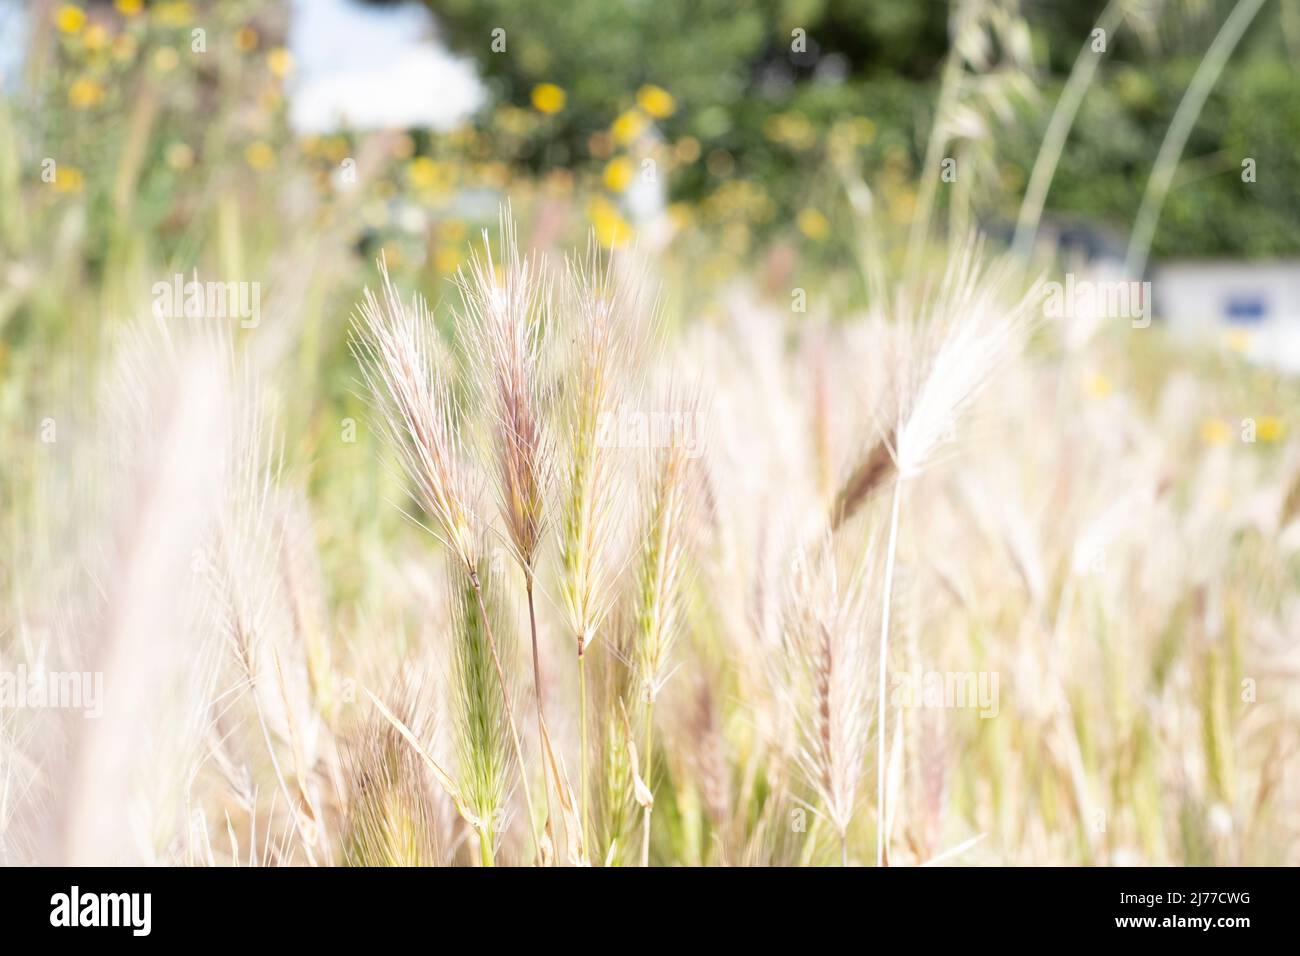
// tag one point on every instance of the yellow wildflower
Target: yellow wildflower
(176, 13)
(70, 18)
(259, 155)
(280, 62)
(813, 224)
(85, 93)
(618, 174)
(548, 98)
(656, 101)
(629, 125)
(1269, 428)
(95, 38)
(610, 227)
(1215, 431)
(68, 179)
(446, 260)
(427, 174)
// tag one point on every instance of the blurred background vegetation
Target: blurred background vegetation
(128, 154)
(751, 110)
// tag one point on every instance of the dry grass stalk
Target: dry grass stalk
(600, 305)
(390, 819)
(394, 346)
(660, 577)
(503, 318)
(830, 667)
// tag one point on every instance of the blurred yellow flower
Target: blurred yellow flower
(429, 175)
(1096, 385)
(548, 98)
(68, 179)
(610, 227)
(280, 62)
(656, 101)
(129, 8)
(629, 125)
(70, 18)
(175, 13)
(165, 59)
(180, 156)
(1269, 428)
(259, 155)
(245, 39)
(618, 174)
(446, 260)
(813, 224)
(95, 38)
(1215, 431)
(85, 93)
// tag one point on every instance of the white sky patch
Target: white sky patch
(361, 68)
(13, 41)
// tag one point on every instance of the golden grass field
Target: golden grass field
(629, 547)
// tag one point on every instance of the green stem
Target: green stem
(930, 166)
(1058, 130)
(486, 857)
(1166, 164)
(510, 717)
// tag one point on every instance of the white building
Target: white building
(1252, 307)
